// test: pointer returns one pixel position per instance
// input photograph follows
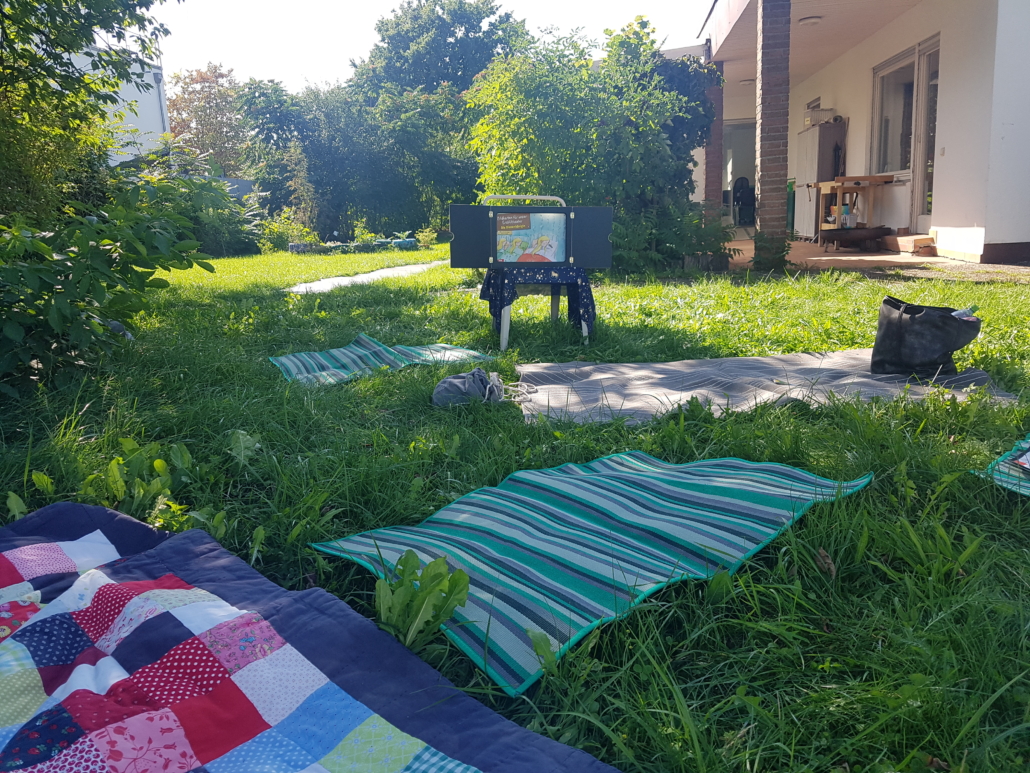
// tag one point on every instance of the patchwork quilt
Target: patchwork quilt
(127, 650)
(560, 551)
(363, 356)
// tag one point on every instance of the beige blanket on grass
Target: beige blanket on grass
(590, 392)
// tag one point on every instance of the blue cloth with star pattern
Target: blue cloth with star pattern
(500, 289)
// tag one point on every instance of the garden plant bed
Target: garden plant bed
(883, 631)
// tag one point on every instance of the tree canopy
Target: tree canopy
(204, 108)
(428, 43)
(75, 53)
(389, 146)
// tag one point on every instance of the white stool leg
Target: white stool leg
(586, 332)
(505, 326)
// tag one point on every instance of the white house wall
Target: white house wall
(738, 103)
(1009, 161)
(151, 118)
(967, 64)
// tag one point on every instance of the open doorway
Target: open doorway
(738, 173)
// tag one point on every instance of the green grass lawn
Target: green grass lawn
(914, 646)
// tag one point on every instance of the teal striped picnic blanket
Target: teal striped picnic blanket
(565, 549)
(1006, 473)
(364, 355)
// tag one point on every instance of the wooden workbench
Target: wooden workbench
(846, 190)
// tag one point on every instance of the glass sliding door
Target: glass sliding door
(897, 99)
(931, 70)
(904, 140)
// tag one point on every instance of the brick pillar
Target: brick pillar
(773, 92)
(713, 151)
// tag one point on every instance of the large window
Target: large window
(905, 119)
(897, 100)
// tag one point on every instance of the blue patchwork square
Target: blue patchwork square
(53, 641)
(7, 733)
(14, 658)
(429, 760)
(150, 641)
(269, 752)
(323, 720)
(44, 736)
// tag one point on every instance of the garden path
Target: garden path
(325, 285)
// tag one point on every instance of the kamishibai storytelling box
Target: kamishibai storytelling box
(487, 236)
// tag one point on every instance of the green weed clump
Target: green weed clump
(416, 601)
(886, 632)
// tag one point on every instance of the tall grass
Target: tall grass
(885, 632)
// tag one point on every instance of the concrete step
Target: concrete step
(909, 243)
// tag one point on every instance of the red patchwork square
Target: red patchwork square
(108, 602)
(9, 574)
(14, 614)
(146, 743)
(164, 582)
(83, 756)
(54, 676)
(218, 722)
(93, 712)
(38, 560)
(186, 671)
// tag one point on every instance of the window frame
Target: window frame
(916, 55)
(920, 124)
(904, 59)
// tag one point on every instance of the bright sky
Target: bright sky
(312, 41)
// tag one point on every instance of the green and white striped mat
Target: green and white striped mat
(566, 549)
(364, 355)
(1006, 473)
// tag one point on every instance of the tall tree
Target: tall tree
(273, 115)
(204, 108)
(396, 164)
(275, 122)
(427, 43)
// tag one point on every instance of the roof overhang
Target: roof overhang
(679, 53)
(731, 27)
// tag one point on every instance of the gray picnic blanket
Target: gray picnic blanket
(590, 392)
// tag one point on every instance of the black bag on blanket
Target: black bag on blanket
(918, 340)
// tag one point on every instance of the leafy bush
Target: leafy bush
(222, 225)
(426, 238)
(140, 482)
(671, 233)
(413, 606)
(225, 227)
(362, 235)
(282, 229)
(63, 290)
(620, 133)
(46, 163)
